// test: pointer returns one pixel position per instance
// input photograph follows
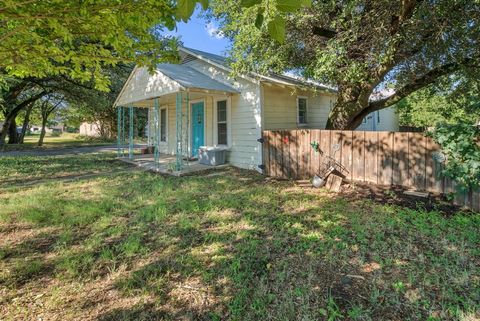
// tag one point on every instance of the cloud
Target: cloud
(213, 31)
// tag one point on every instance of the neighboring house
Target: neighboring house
(226, 111)
(90, 129)
(381, 120)
(35, 129)
(59, 128)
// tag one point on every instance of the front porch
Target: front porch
(179, 113)
(166, 165)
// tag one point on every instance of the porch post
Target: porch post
(156, 127)
(119, 130)
(179, 132)
(124, 109)
(188, 114)
(130, 133)
(149, 128)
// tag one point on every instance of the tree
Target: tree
(41, 38)
(92, 105)
(16, 95)
(47, 107)
(26, 122)
(358, 46)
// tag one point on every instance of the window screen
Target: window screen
(163, 125)
(302, 110)
(222, 122)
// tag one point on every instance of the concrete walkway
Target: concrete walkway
(64, 151)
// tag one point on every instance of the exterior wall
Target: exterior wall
(245, 117)
(90, 129)
(382, 120)
(280, 108)
(143, 85)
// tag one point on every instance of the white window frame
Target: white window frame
(215, 122)
(160, 125)
(306, 107)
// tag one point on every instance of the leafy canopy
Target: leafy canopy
(358, 46)
(452, 102)
(78, 38)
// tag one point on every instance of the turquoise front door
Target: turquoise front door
(198, 124)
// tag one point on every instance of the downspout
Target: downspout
(261, 166)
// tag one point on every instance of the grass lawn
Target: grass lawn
(235, 246)
(62, 141)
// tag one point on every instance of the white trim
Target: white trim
(229, 121)
(306, 106)
(190, 111)
(124, 86)
(115, 104)
(166, 125)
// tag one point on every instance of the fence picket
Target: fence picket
(387, 158)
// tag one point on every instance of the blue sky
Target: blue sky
(197, 33)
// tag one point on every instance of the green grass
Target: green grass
(61, 141)
(17, 170)
(138, 246)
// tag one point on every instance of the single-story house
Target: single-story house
(219, 110)
(92, 129)
(382, 120)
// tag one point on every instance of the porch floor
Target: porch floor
(164, 166)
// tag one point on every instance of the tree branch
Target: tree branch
(417, 84)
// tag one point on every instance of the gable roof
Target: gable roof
(222, 62)
(188, 77)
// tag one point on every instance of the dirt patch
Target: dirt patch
(395, 195)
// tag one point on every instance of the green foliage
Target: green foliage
(358, 46)
(80, 38)
(441, 105)
(461, 145)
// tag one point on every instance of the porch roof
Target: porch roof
(143, 86)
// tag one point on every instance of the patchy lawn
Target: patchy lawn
(17, 170)
(138, 246)
(61, 141)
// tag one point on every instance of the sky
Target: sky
(197, 33)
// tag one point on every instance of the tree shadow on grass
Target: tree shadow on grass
(241, 247)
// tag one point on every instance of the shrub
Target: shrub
(460, 143)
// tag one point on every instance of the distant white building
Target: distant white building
(381, 120)
(90, 129)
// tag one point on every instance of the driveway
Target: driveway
(65, 151)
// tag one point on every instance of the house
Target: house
(90, 129)
(58, 128)
(200, 101)
(381, 120)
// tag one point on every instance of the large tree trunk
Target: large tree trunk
(43, 131)
(3, 133)
(12, 114)
(347, 112)
(8, 129)
(12, 132)
(26, 122)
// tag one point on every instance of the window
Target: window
(302, 110)
(222, 138)
(378, 116)
(163, 125)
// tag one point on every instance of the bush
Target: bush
(460, 143)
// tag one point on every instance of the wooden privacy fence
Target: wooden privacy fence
(407, 159)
